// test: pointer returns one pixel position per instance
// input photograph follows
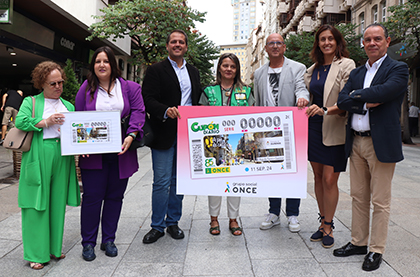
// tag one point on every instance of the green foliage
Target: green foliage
(300, 45)
(404, 25)
(71, 86)
(353, 40)
(201, 53)
(148, 22)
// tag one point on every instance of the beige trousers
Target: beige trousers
(370, 182)
(215, 203)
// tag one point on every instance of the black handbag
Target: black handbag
(147, 133)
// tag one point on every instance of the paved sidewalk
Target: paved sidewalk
(274, 252)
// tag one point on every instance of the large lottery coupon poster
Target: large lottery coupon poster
(242, 151)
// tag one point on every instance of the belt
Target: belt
(362, 134)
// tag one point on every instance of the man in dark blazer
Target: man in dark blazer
(167, 85)
(373, 96)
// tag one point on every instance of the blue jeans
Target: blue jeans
(292, 206)
(166, 204)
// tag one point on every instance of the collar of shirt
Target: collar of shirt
(184, 82)
(175, 65)
(376, 64)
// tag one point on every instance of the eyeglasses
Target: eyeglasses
(273, 43)
(53, 84)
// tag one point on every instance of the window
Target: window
(383, 11)
(362, 22)
(375, 14)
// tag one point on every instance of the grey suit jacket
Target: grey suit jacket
(291, 84)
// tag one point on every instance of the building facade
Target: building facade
(244, 19)
(52, 30)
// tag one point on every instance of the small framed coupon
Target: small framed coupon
(91, 132)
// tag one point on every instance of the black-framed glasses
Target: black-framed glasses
(273, 43)
(53, 84)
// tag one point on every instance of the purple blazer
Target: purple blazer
(133, 101)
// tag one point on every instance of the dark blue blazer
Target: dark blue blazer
(387, 87)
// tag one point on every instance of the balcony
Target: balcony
(282, 8)
(346, 5)
(320, 9)
(305, 24)
(316, 24)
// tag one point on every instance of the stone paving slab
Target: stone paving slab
(274, 252)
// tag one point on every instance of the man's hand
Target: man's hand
(301, 103)
(173, 113)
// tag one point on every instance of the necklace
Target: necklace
(55, 106)
(319, 69)
(227, 91)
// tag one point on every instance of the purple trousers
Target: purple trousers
(103, 193)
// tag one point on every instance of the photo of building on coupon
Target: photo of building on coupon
(245, 148)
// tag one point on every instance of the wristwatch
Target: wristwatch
(132, 135)
(325, 110)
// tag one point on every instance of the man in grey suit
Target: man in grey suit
(280, 83)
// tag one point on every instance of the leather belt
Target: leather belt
(362, 134)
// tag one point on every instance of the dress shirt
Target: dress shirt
(184, 82)
(110, 102)
(360, 122)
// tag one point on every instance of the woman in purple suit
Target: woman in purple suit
(105, 176)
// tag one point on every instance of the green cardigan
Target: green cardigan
(32, 193)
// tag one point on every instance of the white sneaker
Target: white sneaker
(270, 221)
(294, 225)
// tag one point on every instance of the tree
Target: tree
(298, 47)
(148, 22)
(71, 86)
(201, 53)
(404, 25)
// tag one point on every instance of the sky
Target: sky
(219, 19)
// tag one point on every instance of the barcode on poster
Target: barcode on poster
(288, 154)
(74, 136)
(197, 153)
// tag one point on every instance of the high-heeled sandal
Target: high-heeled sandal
(318, 235)
(233, 230)
(327, 240)
(215, 228)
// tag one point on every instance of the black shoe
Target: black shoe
(175, 232)
(350, 249)
(88, 253)
(152, 236)
(372, 261)
(109, 248)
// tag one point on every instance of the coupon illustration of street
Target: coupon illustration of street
(252, 144)
(242, 151)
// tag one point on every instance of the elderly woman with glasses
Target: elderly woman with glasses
(48, 180)
(229, 90)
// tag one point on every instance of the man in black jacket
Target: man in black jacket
(167, 85)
